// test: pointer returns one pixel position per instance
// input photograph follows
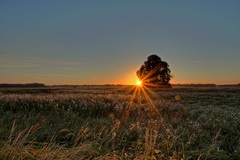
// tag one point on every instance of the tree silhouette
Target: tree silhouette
(155, 72)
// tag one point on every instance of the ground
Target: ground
(120, 122)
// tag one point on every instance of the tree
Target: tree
(155, 72)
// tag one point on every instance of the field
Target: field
(120, 122)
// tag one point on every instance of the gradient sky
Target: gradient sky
(102, 42)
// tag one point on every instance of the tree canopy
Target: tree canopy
(155, 72)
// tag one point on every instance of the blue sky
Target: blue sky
(99, 42)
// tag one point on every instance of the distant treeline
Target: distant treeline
(196, 85)
(27, 85)
(207, 85)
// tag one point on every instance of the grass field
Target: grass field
(120, 122)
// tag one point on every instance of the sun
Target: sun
(139, 83)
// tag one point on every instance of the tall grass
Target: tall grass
(88, 124)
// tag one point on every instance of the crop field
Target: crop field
(120, 122)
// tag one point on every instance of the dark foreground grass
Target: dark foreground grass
(92, 123)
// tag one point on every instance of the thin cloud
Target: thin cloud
(29, 62)
(197, 61)
(46, 76)
(22, 66)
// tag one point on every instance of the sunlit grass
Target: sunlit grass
(127, 122)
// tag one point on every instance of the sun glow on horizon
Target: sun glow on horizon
(139, 83)
(140, 92)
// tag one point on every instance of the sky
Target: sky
(107, 41)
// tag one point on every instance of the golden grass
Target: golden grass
(121, 124)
